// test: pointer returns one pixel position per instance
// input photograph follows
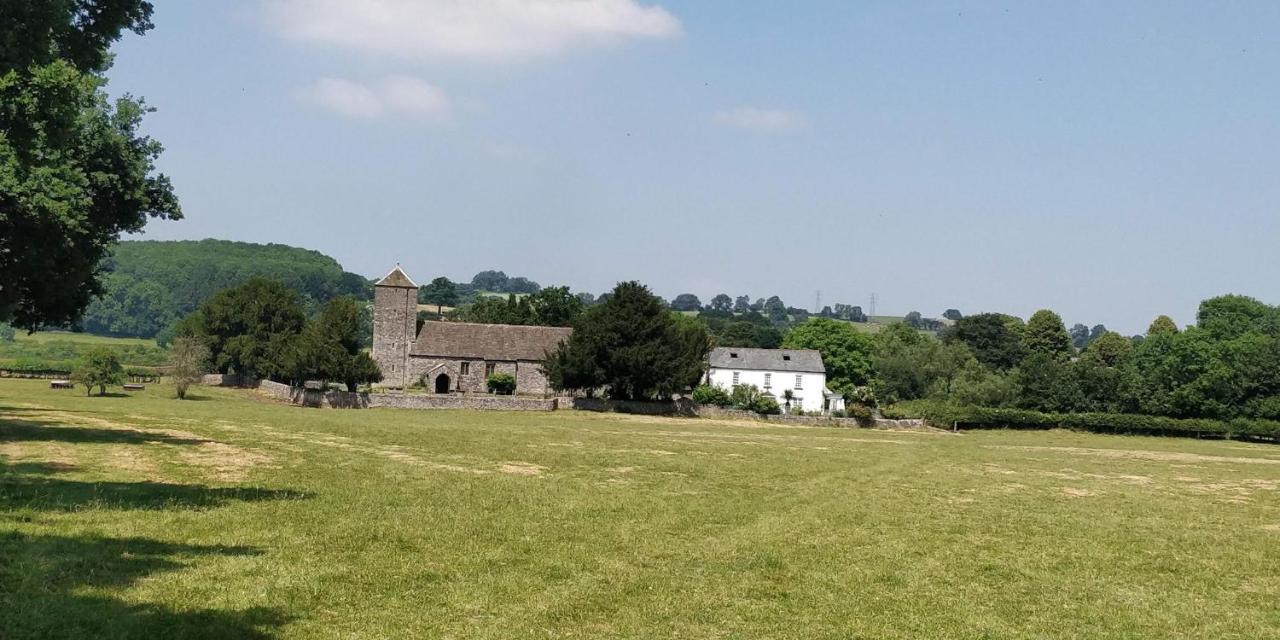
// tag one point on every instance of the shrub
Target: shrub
(744, 396)
(862, 414)
(706, 394)
(7, 333)
(503, 384)
(766, 405)
(839, 413)
(189, 360)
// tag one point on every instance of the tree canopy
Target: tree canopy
(994, 338)
(75, 173)
(632, 347)
(846, 352)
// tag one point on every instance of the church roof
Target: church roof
(487, 341)
(396, 278)
(797, 360)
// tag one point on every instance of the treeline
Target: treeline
(151, 284)
(1225, 367)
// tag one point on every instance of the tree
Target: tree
(498, 310)
(1079, 335)
(587, 299)
(1231, 316)
(7, 333)
(494, 281)
(632, 347)
(743, 333)
(775, 309)
(686, 302)
(74, 172)
(909, 365)
(1046, 334)
(952, 314)
(994, 339)
(522, 285)
(722, 302)
(555, 307)
(442, 292)
(846, 352)
(1110, 349)
(742, 304)
(913, 319)
(188, 361)
(99, 368)
(329, 348)
(1162, 325)
(251, 329)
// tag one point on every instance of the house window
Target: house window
(464, 368)
(799, 381)
(735, 377)
(768, 379)
(489, 368)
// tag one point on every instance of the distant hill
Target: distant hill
(151, 283)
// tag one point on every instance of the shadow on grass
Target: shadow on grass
(54, 431)
(56, 494)
(44, 579)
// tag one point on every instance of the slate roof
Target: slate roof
(494, 342)
(396, 278)
(798, 360)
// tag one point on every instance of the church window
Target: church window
(489, 368)
(464, 368)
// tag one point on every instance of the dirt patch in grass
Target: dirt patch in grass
(225, 461)
(56, 456)
(1272, 527)
(522, 468)
(129, 459)
(1075, 492)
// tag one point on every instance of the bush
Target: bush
(709, 395)
(765, 405)
(744, 397)
(503, 384)
(7, 333)
(861, 413)
(839, 413)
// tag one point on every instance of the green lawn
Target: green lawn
(232, 517)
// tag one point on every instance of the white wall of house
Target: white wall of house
(808, 389)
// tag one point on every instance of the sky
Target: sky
(1109, 161)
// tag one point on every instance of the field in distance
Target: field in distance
(234, 517)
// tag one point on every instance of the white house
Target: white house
(775, 372)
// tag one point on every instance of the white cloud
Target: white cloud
(391, 95)
(756, 119)
(467, 29)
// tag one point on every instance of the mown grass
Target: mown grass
(233, 517)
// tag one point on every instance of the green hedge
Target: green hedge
(948, 416)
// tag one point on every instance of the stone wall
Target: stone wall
(395, 325)
(680, 407)
(227, 380)
(480, 402)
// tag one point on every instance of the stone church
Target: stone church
(452, 357)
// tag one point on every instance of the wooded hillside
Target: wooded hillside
(150, 284)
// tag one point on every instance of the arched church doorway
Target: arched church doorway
(442, 383)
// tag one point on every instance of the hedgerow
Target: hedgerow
(968, 417)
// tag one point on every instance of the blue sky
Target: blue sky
(1110, 161)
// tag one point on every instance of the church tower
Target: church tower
(395, 326)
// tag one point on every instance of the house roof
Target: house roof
(798, 360)
(396, 278)
(487, 341)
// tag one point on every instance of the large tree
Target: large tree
(994, 338)
(251, 329)
(686, 302)
(846, 352)
(74, 171)
(329, 348)
(632, 347)
(441, 292)
(1046, 334)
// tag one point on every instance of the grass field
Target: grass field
(63, 348)
(231, 517)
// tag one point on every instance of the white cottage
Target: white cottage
(775, 372)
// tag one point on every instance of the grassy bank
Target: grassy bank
(229, 516)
